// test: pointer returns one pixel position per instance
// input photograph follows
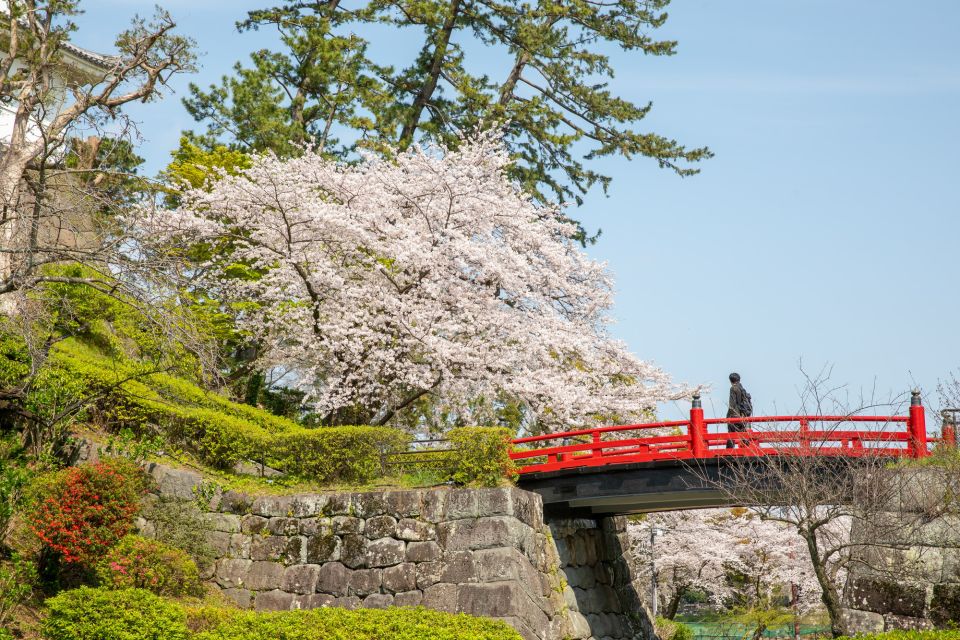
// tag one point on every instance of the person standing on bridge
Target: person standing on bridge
(739, 405)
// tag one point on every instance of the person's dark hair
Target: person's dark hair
(734, 377)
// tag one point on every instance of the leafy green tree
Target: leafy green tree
(553, 97)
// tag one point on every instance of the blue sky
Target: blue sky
(825, 230)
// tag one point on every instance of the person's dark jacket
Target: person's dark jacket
(740, 404)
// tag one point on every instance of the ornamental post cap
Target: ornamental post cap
(915, 398)
(696, 400)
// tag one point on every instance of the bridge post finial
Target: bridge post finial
(696, 400)
(915, 398)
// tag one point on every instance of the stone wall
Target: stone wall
(485, 552)
(910, 580)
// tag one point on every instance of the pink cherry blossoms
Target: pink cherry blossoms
(429, 277)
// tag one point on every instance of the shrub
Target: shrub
(362, 624)
(17, 578)
(141, 563)
(672, 630)
(81, 512)
(180, 524)
(482, 457)
(101, 614)
(908, 635)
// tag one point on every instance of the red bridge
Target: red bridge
(619, 469)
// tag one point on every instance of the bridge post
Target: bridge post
(948, 433)
(917, 426)
(697, 429)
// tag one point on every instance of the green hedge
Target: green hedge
(482, 456)
(672, 630)
(362, 624)
(100, 614)
(221, 432)
(907, 635)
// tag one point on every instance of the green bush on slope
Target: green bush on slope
(101, 614)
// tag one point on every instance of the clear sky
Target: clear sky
(826, 229)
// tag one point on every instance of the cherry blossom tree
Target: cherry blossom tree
(738, 559)
(428, 282)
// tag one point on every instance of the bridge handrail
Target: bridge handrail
(696, 442)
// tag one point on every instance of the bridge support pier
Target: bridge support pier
(698, 430)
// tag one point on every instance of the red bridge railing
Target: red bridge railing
(897, 436)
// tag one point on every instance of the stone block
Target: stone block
(485, 533)
(239, 545)
(462, 503)
(380, 527)
(333, 578)
(945, 605)
(428, 574)
(313, 601)
(434, 505)
(339, 504)
(886, 596)
(272, 506)
(856, 621)
(219, 542)
(264, 576)
(345, 525)
(415, 530)
(441, 597)
(354, 551)
(316, 526)
(403, 504)
(284, 526)
(385, 552)
(583, 577)
(368, 505)
(301, 578)
(254, 524)
(408, 599)
(174, 483)
(349, 602)
(235, 502)
(423, 551)
(309, 506)
(323, 548)
(499, 600)
(378, 601)
(227, 522)
(363, 582)
(458, 567)
(504, 563)
(277, 549)
(242, 597)
(400, 578)
(905, 623)
(232, 573)
(273, 601)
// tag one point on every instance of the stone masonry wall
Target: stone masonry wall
(915, 586)
(485, 552)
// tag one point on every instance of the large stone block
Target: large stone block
(856, 621)
(886, 596)
(408, 599)
(316, 526)
(333, 578)
(288, 550)
(235, 502)
(403, 504)
(174, 483)
(499, 600)
(313, 601)
(414, 530)
(226, 522)
(904, 623)
(254, 524)
(354, 551)
(433, 505)
(385, 552)
(485, 533)
(308, 506)
(272, 506)
(232, 573)
(504, 563)
(242, 597)
(363, 582)
(401, 577)
(441, 597)
(368, 505)
(301, 578)
(284, 526)
(345, 525)
(239, 545)
(323, 548)
(378, 601)
(380, 527)
(423, 551)
(273, 601)
(264, 576)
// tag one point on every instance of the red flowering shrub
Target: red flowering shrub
(81, 512)
(138, 562)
